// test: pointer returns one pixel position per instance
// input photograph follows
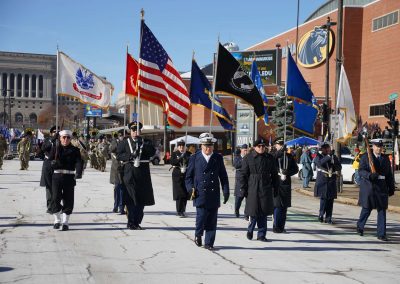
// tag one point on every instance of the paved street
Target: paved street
(99, 249)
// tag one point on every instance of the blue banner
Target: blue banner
(201, 94)
(304, 117)
(255, 76)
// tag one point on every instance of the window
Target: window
(40, 86)
(33, 86)
(19, 85)
(377, 110)
(385, 21)
(33, 118)
(19, 117)
(12, 78)
(26, 91)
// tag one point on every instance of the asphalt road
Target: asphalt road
(99, 249)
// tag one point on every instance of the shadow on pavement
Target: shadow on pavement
(299, 248)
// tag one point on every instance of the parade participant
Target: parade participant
(205, 172)
(260, 182)
(115, 176)
(24, 150)
(376, 185)
(306, 170)
(78, 143)
(67, 165)
(287, 167)
(47, 170)
(179, 162)
(93, 154)
(135, 153)
(3, 149)
(328, 169)
(237, 164)
(102, 153)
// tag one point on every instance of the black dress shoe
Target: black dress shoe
(360, 231)
(57, 226)
(182, 215)
(246, 218)
(64, 227)
(198, 241)
(139, 227)
(262, 239)
(249, 235)
(329, 222)
(132, 227)
(321, 219)
(122, 213)
(383, 238)
(208, 247)
(237, 213)
(115, 210)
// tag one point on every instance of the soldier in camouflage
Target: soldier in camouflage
(24, 150)
(3, 149)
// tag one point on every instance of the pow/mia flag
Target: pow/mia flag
(232, 80)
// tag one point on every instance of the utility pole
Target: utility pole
(339, 61)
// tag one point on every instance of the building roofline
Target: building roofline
(12, 53)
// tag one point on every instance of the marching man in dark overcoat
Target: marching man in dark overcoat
(205, 172)
(237, 164)
(375, 188)
(287, 167)
(134, 153)
(67, 167)
(47, 171)
(260, 182)
(179, 162)
(328, 170)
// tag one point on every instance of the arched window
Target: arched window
(33, 118)
(40, 86)
(26, 91)
(19, 85)
(19, 117)
(33, 86)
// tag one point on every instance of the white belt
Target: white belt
(64, 172)
(326, 172)
(145, 161)
(381, 177)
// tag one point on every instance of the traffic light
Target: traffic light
(395, 126)
(390, 110)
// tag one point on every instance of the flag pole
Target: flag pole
(190, 111)
(255, 125)
(284, 125)
(126, 83)
(213, 87)
(57, 86)
(138, 104)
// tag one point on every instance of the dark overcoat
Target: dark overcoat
(179, 161)
(375, 195)
(325, 186)
(237, 164)
(259, 179)
(205, 178)
(306, 161)
(284, 196)
(114, 176)
(47, 170)
(137, 180)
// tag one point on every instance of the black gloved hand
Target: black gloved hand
(373, 176)
(226, 197)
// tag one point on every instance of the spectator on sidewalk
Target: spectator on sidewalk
(237, 164)
(306, 170)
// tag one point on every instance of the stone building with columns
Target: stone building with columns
(28, 83)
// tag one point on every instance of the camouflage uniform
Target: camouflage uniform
(24, 149)
(92, 154)
(82, 148)
(3, 149)
(102, 154)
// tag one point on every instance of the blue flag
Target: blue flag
(304, 108)
(256, 78)
(201, 94)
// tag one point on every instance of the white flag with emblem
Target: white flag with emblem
(77, 81)
(346, 118)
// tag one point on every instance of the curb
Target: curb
(345, 200)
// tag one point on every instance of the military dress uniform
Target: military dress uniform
(138, 188)
(375, 189)
(67, 165)
(47, 171)
(237, 164)
(115, 177)
(3, 149)
(260, 181)
(179, 161)
(24, 150)
(203, 177)
(328, 169)
(287, 167)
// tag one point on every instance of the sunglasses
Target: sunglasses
(261, 146)
(65, 137)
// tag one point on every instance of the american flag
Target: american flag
(159, 78)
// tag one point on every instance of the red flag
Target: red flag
(132, 70)
(159, 78)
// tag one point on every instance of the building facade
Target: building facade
(28, 92)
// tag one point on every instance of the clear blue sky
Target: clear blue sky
(96, 32)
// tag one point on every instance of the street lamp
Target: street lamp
(327, 27)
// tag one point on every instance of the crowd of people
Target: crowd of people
(262, 179)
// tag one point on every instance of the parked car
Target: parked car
(347, 170)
